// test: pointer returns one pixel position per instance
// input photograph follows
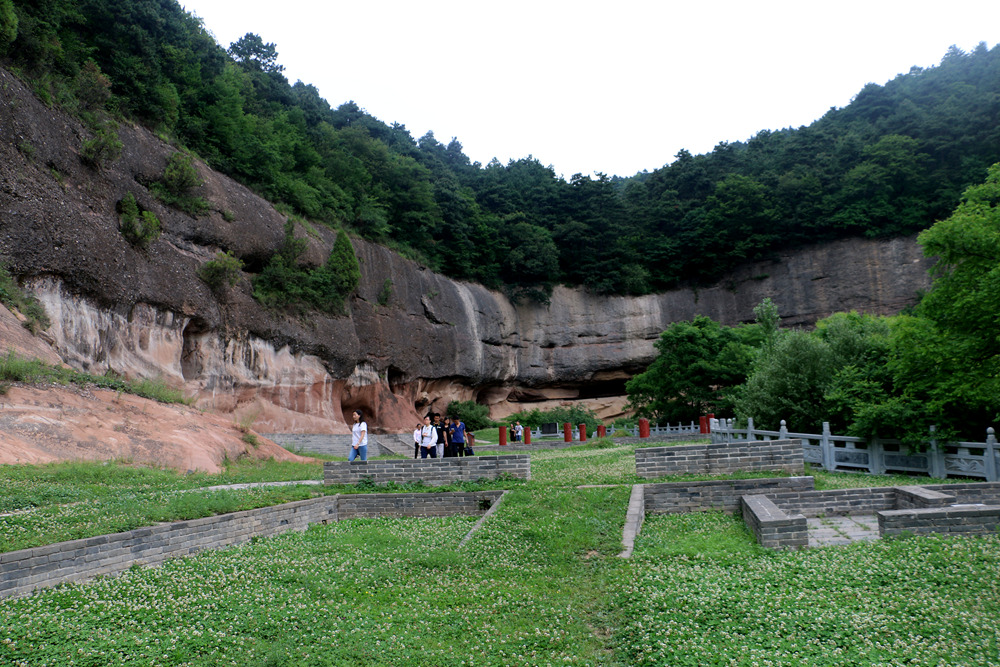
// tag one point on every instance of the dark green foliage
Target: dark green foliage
(697, 364)
(890, 163)
(222, 272)
(474, 415)
(15, 298)
(385, 293)
(284, 282)
(180, 177)
(139, 227)
(8, 24)
(574, 415)
(103, 148)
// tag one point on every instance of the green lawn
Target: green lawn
(539, 584)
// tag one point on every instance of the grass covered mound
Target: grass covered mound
(540, 584)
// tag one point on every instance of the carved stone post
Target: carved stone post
(826, 447)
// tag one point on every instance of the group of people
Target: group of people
(433, 438)
(517, 431)
(436, 439)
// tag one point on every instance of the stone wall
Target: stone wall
(433, 472)
(978, 520)
(353, 506)
(23, 571)
(772, 526)
(720, 459)
(722, 495)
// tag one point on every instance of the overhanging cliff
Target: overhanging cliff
(146, 313)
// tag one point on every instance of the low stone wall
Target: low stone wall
(836, 502)
(720, 459)
(987, 493)
(976, 520)
(23, 571)
(368, 505)
(773, 527)
(722, 494)
(433, 472)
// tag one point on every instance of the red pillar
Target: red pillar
(702, 424)
(602, 431)
(567, 432)
(527, 435)
(643, 428)
(503, 436)
(583, 432)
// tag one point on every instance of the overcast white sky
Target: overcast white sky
(613, 87)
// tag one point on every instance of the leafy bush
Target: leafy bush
(103, 148)
(283, 282)
(385, 293)
(474, 415)
(139, 227)
(574, 415)
(15, 298)
(221, 272)
(180, 177)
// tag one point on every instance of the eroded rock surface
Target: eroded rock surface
(145, 313)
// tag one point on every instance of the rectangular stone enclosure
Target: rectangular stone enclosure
(23, 571)
(720, 459)
(433, 472)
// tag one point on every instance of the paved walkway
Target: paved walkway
(842, 530)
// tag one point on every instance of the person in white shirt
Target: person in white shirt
(416, 440)
(359, 438)
(428, 439)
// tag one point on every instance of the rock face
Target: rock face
(145, 313)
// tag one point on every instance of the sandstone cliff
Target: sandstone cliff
(146, 313)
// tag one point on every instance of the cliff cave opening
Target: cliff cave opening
(192, 357)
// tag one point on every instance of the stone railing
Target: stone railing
(842, 452)
(720, 459)
(27, 569)
(433, 472)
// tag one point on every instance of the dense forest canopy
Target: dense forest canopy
(892, 162)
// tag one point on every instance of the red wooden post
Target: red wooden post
(702, 424)
(527, 435)
(503, 436)
(567, 432)
(602, 431)
(583, 432)
(643, 428)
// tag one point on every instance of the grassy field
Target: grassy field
(540, 584)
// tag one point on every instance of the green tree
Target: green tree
(8, 24)
(697, 363)
(252, 53)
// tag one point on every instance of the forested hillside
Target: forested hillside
(892, 162)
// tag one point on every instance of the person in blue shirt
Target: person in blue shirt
(458, 436)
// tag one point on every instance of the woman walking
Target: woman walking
(359, 438)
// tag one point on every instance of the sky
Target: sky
(599, 87)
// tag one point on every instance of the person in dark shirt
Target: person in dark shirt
(458, 436)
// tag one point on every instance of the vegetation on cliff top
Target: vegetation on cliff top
(886, 377)
(890, 163)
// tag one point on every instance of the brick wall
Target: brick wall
(773, 527)
(720, 459)
(23, 571)
(981, 520)
(433, 472)
(836, 502)
(721, 494)
(352, 506)
(987, 493)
